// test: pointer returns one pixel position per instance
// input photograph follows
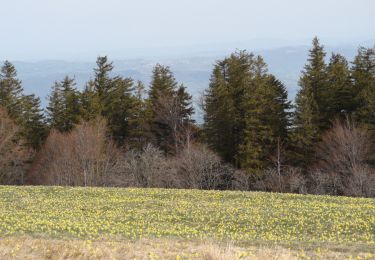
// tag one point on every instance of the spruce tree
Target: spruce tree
(310, 120)
(339, 98)
(90, 102)
(246, 111)
(103, 81)
(23, 109)
(267, 118)
(11, 91)
(163, 84)
(169, 105)
(186, 109)
(219, 114)
(139, 132)
(64, 108)
(117, 108)
(363, 75)
(34, 128)
(162, 88)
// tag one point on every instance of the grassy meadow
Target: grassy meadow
(62, 222)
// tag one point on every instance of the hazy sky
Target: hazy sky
(32, 29)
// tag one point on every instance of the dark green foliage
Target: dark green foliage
(117, 107)
(246, 111)
(163, 84)
(170, 110)
(102, 82)
(34, 128)
(219, 117)
(64, 108)
(310, 120)
(185, 104)
(363, 74)
(339, 98)
(90, 102)
(11, 91)
(23, 109)
(119, 101)
(139, 131)
(267, 118)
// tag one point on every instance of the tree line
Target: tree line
(118, 132)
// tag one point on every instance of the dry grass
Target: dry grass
(26, 247)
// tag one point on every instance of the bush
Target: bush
(145, 168)
(290, 180)
(197, 167)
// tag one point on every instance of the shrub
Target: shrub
(197, 167)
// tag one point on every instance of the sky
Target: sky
(58, 29)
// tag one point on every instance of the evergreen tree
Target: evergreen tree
(309, 120)
(90, 102)
(184, 100)
(102, 82)
(246, 111)
(340, 92)
(11, 91)
(34, 128)
(163, 84)
(95, 94)
(363, 74)
(140, 116)
(117, 108)
(64, 108)
(219, 116)
(23, 109)
(267, 118)
(169, 106)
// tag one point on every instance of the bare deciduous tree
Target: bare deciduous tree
(343, 167)
(14, 155)
(83, 157)
(171, 113)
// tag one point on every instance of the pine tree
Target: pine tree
(102, 82)
(163, 84)
(162, 88)
(140, 116)
(185, 102)
(340, 92)
(227, 105)
(363, 74)
(117, 107)
(11, 91)
(246, 111)
(23, 109)
(169, 106)
(64, 108)
(90, 102)
(309, 120)
(34, 128)
(267, 118)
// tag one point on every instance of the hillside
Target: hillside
(247, 220)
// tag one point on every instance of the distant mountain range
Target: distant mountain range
(193, 71)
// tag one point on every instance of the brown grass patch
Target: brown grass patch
(40, 248)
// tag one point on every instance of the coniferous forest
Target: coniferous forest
(118, 132)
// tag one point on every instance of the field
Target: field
(58, 222)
